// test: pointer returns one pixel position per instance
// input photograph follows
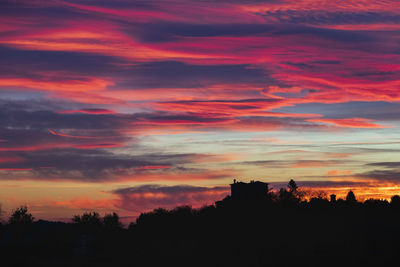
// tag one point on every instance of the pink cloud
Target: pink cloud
(148, 197)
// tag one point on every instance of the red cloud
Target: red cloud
(11, 159)
(230, 109)
(339, 172)
(70, 136)
(15, 169)
(94, 146)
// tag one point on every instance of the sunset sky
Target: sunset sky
(127, 106)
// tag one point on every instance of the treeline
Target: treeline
(284, 228)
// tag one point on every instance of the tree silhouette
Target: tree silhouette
(1, 214)
(21, 216)
(291, 194)
(395, 201)
(351, 198)
(375, 203)
(111, 221)
(292, 186)
(88, 218)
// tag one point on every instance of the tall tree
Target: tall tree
(111, 221)
(88, 219)
(292, 186)
(351, 198)
(21, 216)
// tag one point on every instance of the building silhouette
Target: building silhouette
(248, 191)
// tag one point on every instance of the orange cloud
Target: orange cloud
(103, 38)
(179, 175)
(312, 164)
(94, 146)
(85, 203)
(209, 158)
(307, 5)
(338, 155)
(77, 85)
(88, 97)
(339, 172)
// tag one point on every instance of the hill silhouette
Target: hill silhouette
(254, 226)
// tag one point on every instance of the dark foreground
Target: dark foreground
(232, 233)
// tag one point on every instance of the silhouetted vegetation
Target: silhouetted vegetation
(351, 198)
(88, 219)
(284, 228)
(112, 222)
(21, 216)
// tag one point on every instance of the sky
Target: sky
(127, 106)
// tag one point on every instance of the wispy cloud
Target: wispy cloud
(110, 92)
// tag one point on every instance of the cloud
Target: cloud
(25, 126)
(388, 164)
(85, 203)
(192, 55)
(175, 74)
(327, 17)
(100, 165)
(339, 172)
(172, 31)
(153, 167)
(296, 163)
(381, 176)
(350, 123)
(88, 111)
(147, 197)
(33, 63)
(80, 145)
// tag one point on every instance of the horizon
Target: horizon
(127, 106)
(307, 193)
(302, 196)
